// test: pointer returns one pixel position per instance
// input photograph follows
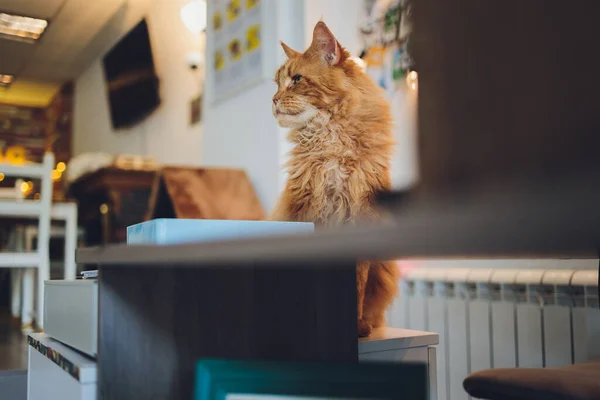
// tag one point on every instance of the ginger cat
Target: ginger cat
(341, 128)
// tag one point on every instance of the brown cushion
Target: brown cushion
(579, 382)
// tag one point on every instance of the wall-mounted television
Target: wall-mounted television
(131, 79)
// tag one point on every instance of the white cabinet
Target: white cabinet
(71, 313)
(402, 345)
(58, 372)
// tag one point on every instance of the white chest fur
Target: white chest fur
(326, 158)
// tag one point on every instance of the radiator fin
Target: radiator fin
(499, 318)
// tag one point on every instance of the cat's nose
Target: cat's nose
(275, 100)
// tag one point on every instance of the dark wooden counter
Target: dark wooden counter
(156, 323)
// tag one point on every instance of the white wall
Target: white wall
(241, 132)
(166, 134)
(405, 162)
(341, 16)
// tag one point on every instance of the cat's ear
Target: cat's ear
(289, 52)
(325, 45)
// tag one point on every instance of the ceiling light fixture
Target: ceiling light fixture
(6, 80)
(21, 28)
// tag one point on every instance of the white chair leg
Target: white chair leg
(43, 275)
(44, 240)
(70, 243)
(16, 275)
(28, 290)
(15, 302)
(28, 276)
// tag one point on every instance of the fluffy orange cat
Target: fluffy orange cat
(341, 128)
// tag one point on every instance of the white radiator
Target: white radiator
(500, 313)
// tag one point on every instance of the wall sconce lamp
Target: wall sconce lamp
(193, 15)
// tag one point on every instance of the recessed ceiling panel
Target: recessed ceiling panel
(78, 33)
(51, 71)
(78, 22)
(44, 9)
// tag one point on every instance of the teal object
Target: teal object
(165, 231)
(257, 380)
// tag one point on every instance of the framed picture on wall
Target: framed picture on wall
(238, 38)
(196, 110)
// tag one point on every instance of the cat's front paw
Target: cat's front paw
(364, 328)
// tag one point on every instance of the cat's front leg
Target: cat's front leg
(362, 275)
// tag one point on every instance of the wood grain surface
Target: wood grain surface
(155, 326)
(205, 193)
(508, 91)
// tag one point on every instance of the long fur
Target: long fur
(341, 128)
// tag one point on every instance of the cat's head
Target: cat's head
(311, 84)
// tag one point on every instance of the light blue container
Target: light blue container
(177, 231)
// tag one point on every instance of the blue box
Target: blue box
(177, 231)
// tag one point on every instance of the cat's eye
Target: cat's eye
(296, 78)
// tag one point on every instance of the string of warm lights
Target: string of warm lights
(6, 80)
(58, 171)
(27, 187)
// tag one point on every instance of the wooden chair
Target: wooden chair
(27, 261)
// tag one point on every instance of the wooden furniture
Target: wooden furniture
(111, 199)
(495, 104)
(204, 193)
(31, 260)
(154, 324)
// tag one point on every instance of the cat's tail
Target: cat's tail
(385, 275)
(381, 290)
